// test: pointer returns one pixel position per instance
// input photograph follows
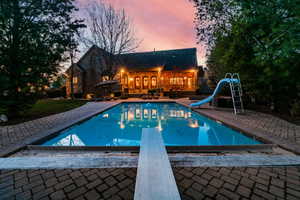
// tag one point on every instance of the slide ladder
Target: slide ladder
(236, 92)
(234, 82)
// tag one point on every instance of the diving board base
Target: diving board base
(155, 179)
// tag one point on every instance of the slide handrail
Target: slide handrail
(235, 88)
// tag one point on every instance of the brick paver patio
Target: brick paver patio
(118, 183)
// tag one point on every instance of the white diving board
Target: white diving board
(155, 179)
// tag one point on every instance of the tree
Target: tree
(112, 31)
(257, 38)
(34, 35)
(59, 81)
(213, 19)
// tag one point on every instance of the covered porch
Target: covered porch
(142, 81)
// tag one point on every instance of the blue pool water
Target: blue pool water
(122, 126)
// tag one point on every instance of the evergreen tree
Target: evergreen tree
(34, 38)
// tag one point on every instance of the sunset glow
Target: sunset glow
(160, 24)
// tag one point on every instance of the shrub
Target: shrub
(54, 93)
(295, 109)
(78, 95)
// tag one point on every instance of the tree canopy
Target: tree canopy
(34, 37)
(260, 40)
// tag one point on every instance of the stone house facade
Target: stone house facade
(137, 73)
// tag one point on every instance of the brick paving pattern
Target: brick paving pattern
(115, 183)
(118, 183)
(253, 183)
(13, 134)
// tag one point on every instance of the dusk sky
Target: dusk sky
(161, 24)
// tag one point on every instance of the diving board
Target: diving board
(155, 179)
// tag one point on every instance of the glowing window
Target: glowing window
(137, 82)
(171, 81)
(189, 82)
(75, 80)
(145, 82)
(125, 80)
(176, 81)
(179, 81)
(153, 81)
(105, 78)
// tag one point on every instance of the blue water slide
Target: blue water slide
(219, 86)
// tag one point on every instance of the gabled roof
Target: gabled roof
(180, 59)
(88, 52)
(75, 65)
(177, 59)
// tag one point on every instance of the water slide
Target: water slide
(219, 86)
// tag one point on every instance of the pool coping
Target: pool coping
(50, 133)
(170, 149)
(131, 161)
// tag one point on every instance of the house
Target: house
(137, 73)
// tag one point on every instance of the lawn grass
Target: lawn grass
(46, 107)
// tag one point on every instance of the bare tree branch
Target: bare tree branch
(112, 31)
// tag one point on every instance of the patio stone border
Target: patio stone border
(170, 149)
(132, 161)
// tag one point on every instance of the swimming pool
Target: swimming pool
(122, 125)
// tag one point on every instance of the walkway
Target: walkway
(16, 136)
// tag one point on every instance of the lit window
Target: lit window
(179, 81)
(105, 78)
(153, 81)
(189, 82)
(75, 80)
(137, 82)
(125, 80)
(145, 82)
(171, 81)
(176, 81)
